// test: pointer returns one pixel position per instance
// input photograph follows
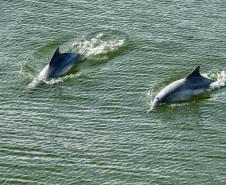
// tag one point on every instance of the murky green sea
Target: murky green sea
(93, 126)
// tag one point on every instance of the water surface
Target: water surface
(93, 126)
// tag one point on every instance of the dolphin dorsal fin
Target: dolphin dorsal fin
(194, 73)
(55, 55)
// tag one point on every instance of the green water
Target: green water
(93, 125)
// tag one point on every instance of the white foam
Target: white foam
(220, 80)
(96, 46)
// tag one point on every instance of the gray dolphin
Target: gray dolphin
(184, 89)
(58, 66)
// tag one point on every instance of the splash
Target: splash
(97, 45)
(220, 79)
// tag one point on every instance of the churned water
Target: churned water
(93, 125)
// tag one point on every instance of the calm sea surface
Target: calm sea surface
(93, 126)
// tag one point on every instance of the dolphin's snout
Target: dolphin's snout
(154, 104)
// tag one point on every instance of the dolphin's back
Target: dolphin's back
(64, 59)
(61, 63)
(199, 82)
(184, 89)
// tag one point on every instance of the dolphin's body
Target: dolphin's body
(183, 89)
(58, 66)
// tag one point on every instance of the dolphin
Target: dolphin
(184, 89)
(58, 66)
